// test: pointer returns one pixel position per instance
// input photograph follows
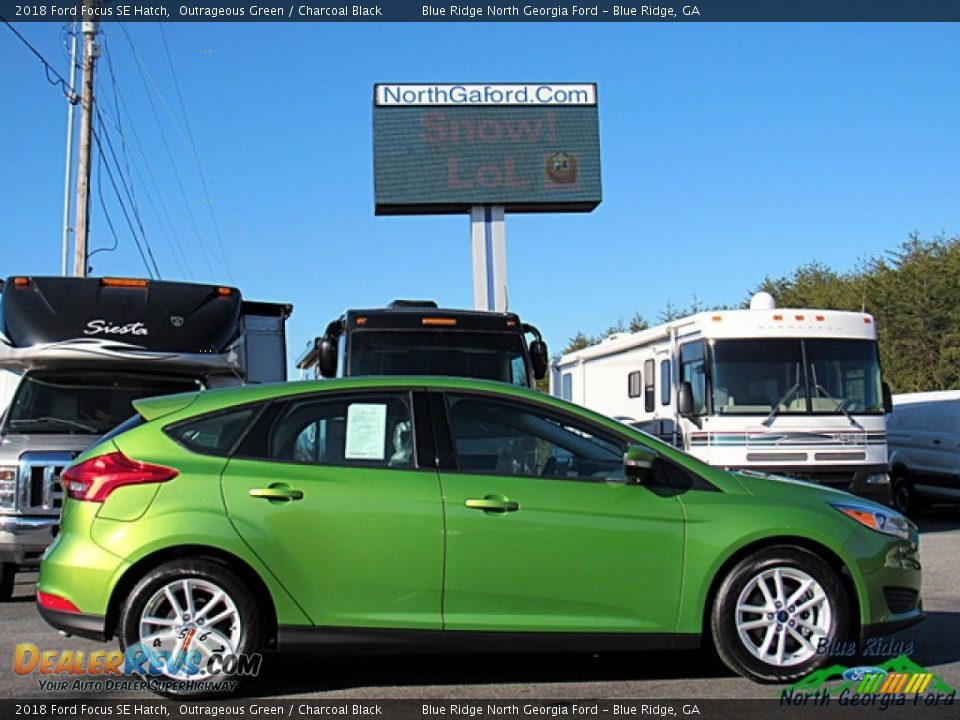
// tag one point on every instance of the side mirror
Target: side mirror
(638, 463)
(327, 360)
(685, 399)
(887, 399)
(539, 359)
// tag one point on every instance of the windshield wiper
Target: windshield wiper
(841, 404)
(50, 419)
(768, 421)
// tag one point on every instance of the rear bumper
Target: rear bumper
(23, 538)
(88, 626)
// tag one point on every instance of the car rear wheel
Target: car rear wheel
(776, 612)
(182, 622)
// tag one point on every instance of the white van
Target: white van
(923, 434)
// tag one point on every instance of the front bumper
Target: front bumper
(23, 538)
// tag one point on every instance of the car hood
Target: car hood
(792, 490)
(12, 445)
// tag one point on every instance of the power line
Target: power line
(48, 68)
(163, 137)
(152, 270)
(196, 156)
(128, 176)
(166, 223)
(106, 213)
(127, 186)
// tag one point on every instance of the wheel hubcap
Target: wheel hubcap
(187, 622)
(782, 615)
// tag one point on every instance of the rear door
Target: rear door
(327, 491)
(543, 532)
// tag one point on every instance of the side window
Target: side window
(518, 372)
(566, 386)
(693, 369)
(633, 384)
(664, 382)
(502, 438)
(213, 434)
(649, 393)
(368, 430)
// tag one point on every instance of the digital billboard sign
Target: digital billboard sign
(445, 148)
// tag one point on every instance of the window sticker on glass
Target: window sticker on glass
(366, 431)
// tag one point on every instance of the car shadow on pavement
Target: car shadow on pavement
(940, 519)
(300, 673)
(939, 645)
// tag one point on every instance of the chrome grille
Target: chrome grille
(39, 489)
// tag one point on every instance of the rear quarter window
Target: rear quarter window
(213, 434)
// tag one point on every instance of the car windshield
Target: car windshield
(460, 353)
(793, 376)
(86, 403)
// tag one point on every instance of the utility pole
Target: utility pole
(68, 170)
(90, 53)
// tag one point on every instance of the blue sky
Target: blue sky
(730, 152)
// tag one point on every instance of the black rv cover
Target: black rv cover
(155, 315)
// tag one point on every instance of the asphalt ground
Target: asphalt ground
(647, 675)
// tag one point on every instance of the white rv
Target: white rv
(788, 391)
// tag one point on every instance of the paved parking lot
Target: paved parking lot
(651, 675)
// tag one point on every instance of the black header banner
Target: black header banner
(475, 11)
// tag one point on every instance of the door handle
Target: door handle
(492, 503)
(276, 492)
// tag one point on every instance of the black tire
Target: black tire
(826, 615)
(904, 498)
(8, 573)
(239, 632)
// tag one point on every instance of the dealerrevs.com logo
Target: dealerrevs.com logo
(140, 667)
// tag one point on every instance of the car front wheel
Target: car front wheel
(182, 624)
(776, 614)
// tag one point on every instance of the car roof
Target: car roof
(207, 400)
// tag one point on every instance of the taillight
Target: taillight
(94, 479)
(55, 602)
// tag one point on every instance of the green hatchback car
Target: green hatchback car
(442, 514)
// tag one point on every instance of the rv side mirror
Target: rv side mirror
(327, 360)
(685, 399)
(638, 463)
(539, 359)
(887, 399)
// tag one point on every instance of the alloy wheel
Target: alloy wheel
(782, 614)
(187, 622)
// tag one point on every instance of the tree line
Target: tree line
(913, 292)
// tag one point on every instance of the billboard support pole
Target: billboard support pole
(488, 239)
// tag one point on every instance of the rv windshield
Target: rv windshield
(85, 403)
(460, 353)
(793, 376)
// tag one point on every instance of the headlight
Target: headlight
(883, 521)
(8, 486)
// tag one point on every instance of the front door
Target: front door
(544, 533)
